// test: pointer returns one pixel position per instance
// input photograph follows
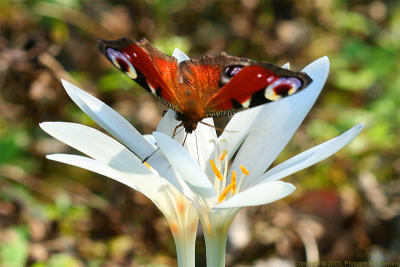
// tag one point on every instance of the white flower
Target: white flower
(252, 140)
(122, 161)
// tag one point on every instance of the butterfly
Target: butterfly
(208, 86)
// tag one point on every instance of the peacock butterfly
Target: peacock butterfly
(209, 86)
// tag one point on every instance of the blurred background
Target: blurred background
(345, 208)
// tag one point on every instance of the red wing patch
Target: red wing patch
(253, 85)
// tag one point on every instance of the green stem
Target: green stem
(216, 246)
(185, 249)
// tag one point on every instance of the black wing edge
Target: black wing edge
(305, 79)
(116, 44)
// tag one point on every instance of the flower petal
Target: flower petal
(90, 142)
(168, 125)
(258, 195)
(199, 143)
(182, 162)
(94, 166)
(311, 156)
(179, 55)
(108, 151)
(271, 126)
(151, 140)
(151, 185)
(110, 120)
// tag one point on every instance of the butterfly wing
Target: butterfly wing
(239, 83)
(221, 85)
(151, 69)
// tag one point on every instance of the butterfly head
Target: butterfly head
(188, 122)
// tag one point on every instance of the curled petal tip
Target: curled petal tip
(179, 55)
(360, 127)
(286, 66)
(65, 83)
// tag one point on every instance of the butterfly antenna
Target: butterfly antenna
(217, 128)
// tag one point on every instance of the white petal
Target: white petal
(168, 125)
(184, 165)
(179, 55)
(92, 165)
(90, 142)
(286, 66)
(258, 195)
(198, 143)
(110, 120)
(151, 140)
(271, 126)
(311, 156)
(108, 151)
(152, 186)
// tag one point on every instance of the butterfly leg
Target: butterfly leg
(184, 140)
(179, 125)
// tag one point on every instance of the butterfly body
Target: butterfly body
(209, 86)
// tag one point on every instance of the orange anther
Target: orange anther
(244, 170)
(224, 153)
(224, 193)
(216, 171)
(233, 182)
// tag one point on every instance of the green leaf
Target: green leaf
(63, 260)
(14, 250)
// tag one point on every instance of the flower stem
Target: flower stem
(185, 249)
(216, 246)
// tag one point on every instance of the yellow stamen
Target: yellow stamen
(224, 193)
(224, 153)
(244, 170)
(233, 182)
(147, 165)
(216, 171)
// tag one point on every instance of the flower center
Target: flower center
(220, 170)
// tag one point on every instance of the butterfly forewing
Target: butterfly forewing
(147, 66)
(244, 87)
